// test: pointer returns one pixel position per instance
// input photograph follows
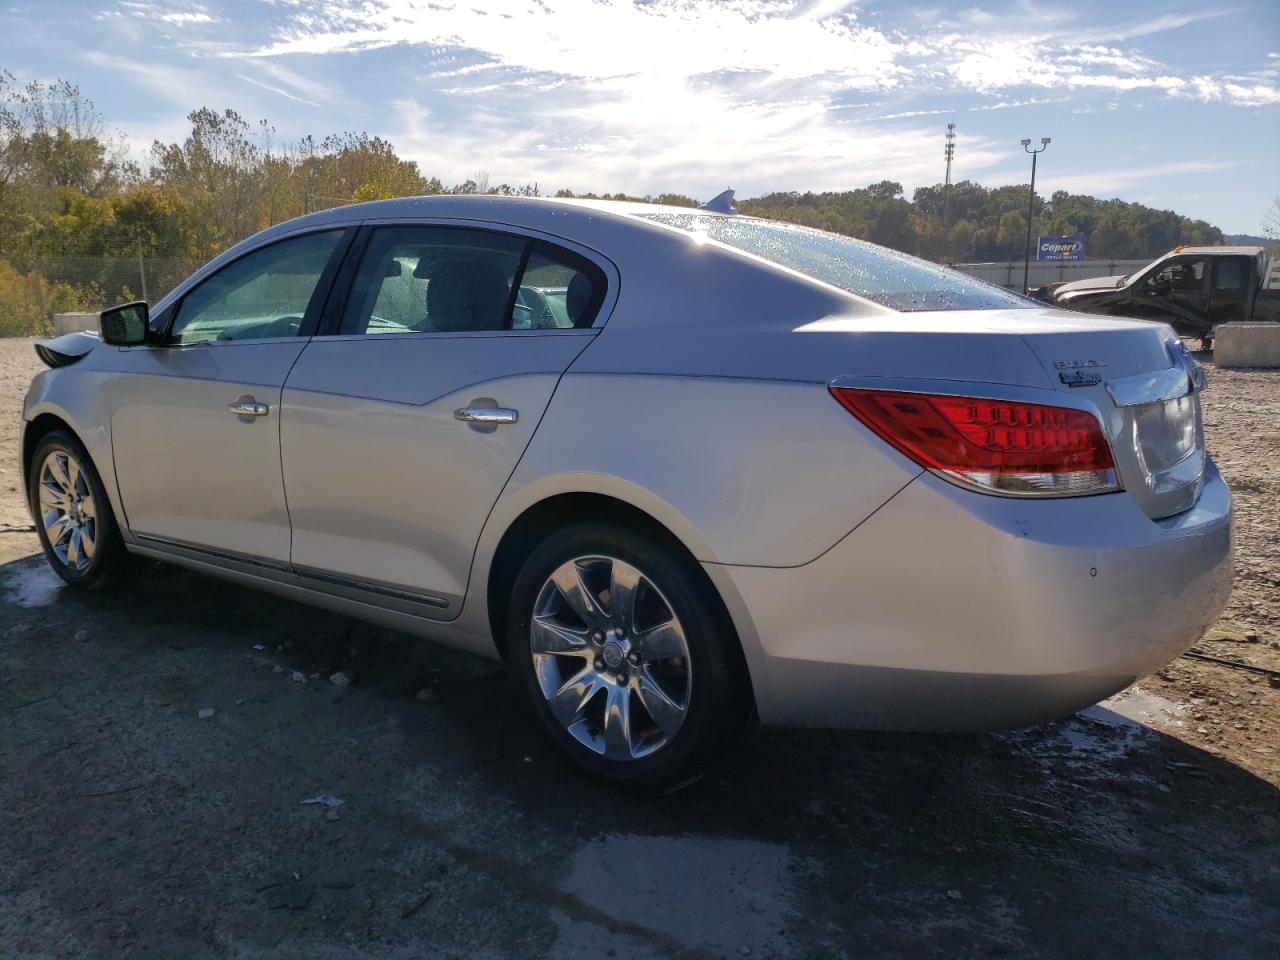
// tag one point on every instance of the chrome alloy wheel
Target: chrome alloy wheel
(610, 657)
(67, 510)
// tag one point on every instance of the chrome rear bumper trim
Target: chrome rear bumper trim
(1154, 387)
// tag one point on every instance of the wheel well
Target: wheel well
(36, 431)
(544, 517)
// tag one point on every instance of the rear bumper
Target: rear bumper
(953, 610)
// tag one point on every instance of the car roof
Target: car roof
(522, 211)
(578, 220)
(1217, 251)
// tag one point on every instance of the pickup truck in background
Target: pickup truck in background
(1193, 289)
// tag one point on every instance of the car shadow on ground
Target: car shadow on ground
(461, 830)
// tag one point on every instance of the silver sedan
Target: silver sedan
(679, 468)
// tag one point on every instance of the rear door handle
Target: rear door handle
(486, 415)
(248, 407)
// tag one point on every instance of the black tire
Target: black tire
(109, 551)
(719, 707)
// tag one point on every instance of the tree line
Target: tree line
(70, 194)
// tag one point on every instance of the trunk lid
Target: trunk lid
(1136, 374)
(1146, 388)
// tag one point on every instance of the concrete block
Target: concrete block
(74, 322)
(1239, 346)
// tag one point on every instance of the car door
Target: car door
(1234, 281)
(400, 429)
(195, 420)
(1177, 292)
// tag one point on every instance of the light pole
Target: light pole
(1031, 202)
(949, 153)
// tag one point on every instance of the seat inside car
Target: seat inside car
(577, 297)
(466, 295)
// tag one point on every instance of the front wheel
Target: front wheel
(72, 513)
(625, 656)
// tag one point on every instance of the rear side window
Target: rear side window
(558, 290)
(884, 276)
(1232, 274)
(431, 279)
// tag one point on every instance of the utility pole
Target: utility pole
(1031, 202)
(142, 271)
(949, 153)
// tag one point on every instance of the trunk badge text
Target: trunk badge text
(1078, 364)
(1080, 379)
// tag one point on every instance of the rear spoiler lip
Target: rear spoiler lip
(67, 349)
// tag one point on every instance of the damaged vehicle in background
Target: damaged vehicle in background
(679, 468)
(1193, 289)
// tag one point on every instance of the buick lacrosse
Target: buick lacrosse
(679, 468)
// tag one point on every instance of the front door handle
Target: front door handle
(486, 416)
(248, 407)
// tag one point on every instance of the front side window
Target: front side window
(263, 294)
(896, 280)
(433, 279)
(1178, 276)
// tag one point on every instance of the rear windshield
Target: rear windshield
(894, 279)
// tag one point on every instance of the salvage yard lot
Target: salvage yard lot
(131, 826)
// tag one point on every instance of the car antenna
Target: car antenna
(720, 203)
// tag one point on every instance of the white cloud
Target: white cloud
(1103, 183)
(180, 18)
(163, 13)
(666, 38)
(681, 93)
(760, 44)
(702, 148)
(184, 88)
(277, 90)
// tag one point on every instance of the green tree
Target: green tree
(1011, 235)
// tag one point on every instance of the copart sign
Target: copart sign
(1060, 248)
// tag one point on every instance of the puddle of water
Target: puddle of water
(30, 583)
(1107, 731)
(1147, 708)
(710, 894)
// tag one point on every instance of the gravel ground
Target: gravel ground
(157, 742)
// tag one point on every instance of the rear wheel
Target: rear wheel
(617, 641)
(73, 515)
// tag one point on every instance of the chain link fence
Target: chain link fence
(32, 292)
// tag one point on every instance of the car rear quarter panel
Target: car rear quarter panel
(760, 472)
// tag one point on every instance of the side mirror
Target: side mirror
(125, 325)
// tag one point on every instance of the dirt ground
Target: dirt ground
(130, 826)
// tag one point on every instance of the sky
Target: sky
(1171, 104)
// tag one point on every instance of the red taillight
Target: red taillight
(1000, 445)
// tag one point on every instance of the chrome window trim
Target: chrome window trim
(607, 266)
(218, 344)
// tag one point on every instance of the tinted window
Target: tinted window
(1232, 274)
(894, 279)
(450, 279)
(558, 290)
(264, 294)
(1179, 275)
(434, 280)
